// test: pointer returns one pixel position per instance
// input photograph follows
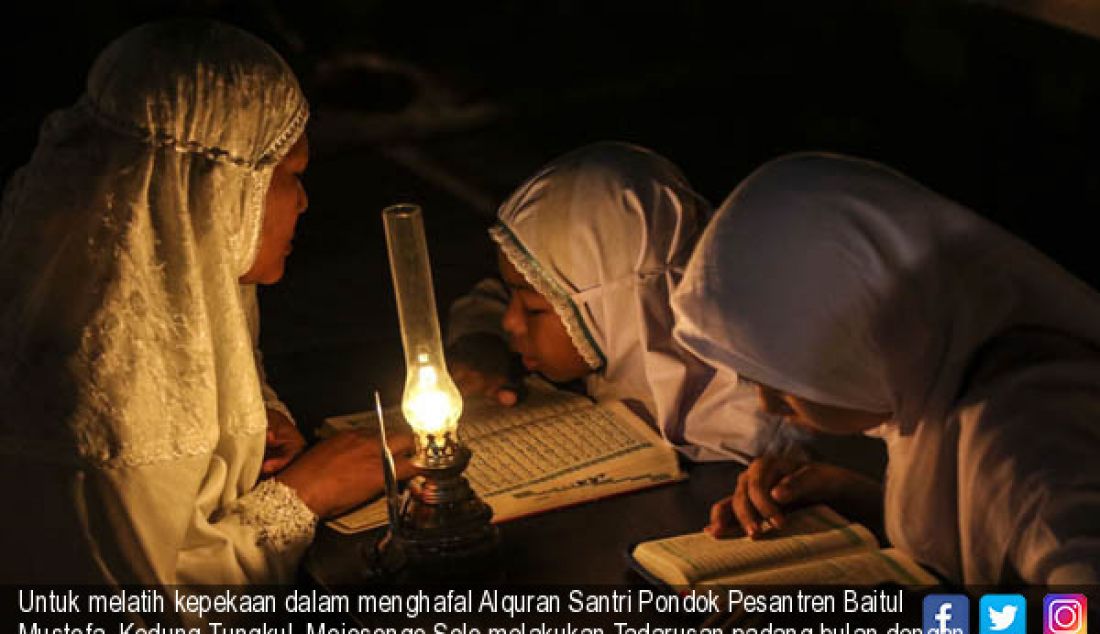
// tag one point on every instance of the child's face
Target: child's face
(803, 412)
(536, 332)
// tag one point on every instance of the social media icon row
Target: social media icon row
(1004, 614)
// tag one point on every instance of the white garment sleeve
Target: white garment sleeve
(181, 522)
(1029, 484)
(202, 518)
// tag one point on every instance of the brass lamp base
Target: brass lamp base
(444, 528)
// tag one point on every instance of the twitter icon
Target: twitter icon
(1002, 614)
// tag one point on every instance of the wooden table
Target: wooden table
(585, 544)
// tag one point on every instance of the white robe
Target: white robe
(1014, 469)
(135, 419)
(841, 281)
(603, 233)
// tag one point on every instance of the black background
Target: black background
(992, 109)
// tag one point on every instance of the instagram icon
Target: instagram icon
(1065, 614)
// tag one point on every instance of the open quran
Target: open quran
(554, 449)
(816, 546)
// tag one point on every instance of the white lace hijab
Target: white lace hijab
(844, 282)
(603, 233)
(122, 332)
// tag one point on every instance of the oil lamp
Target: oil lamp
(442, 525)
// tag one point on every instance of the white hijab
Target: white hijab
(842, 281)
(123, 338)
(603, 233)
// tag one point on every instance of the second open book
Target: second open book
(555, 449)
(816, 546)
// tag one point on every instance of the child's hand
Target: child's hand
(283, 443)
(773, 482)
(480, 366)
(751, 508)
(471, 382)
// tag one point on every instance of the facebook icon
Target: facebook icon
(946, 614)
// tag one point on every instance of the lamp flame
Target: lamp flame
(430, 405)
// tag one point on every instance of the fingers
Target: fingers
(468, 381)
(723, 522)
(760, 478)
(273, 465)
(494, 387)
(752, 506)
(497, 389)
(507, 397)
(744, 510)
(798, 486)
(283, 447)
(491, 385)
(289, 442)
(280, 451)
(735, 515)
(508, 393)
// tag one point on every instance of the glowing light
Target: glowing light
(431, 403)
(428, 404)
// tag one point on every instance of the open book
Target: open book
(554, 449)
(816, 546)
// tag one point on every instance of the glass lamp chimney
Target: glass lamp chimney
(431, 402)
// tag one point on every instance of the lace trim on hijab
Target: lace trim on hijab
(160, 138)
(281, 518)
(520, 258)
(262, 166)
(289, 136)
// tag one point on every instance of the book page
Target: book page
(512, 452)
(809, 534)
(553, 450)
(866, 567)
(640, 467)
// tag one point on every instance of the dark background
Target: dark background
(453, 104)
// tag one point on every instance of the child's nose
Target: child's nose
(512, 321)
(303, 200)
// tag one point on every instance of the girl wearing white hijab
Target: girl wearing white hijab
(858, 300)
(592, 246)
(134, 414)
